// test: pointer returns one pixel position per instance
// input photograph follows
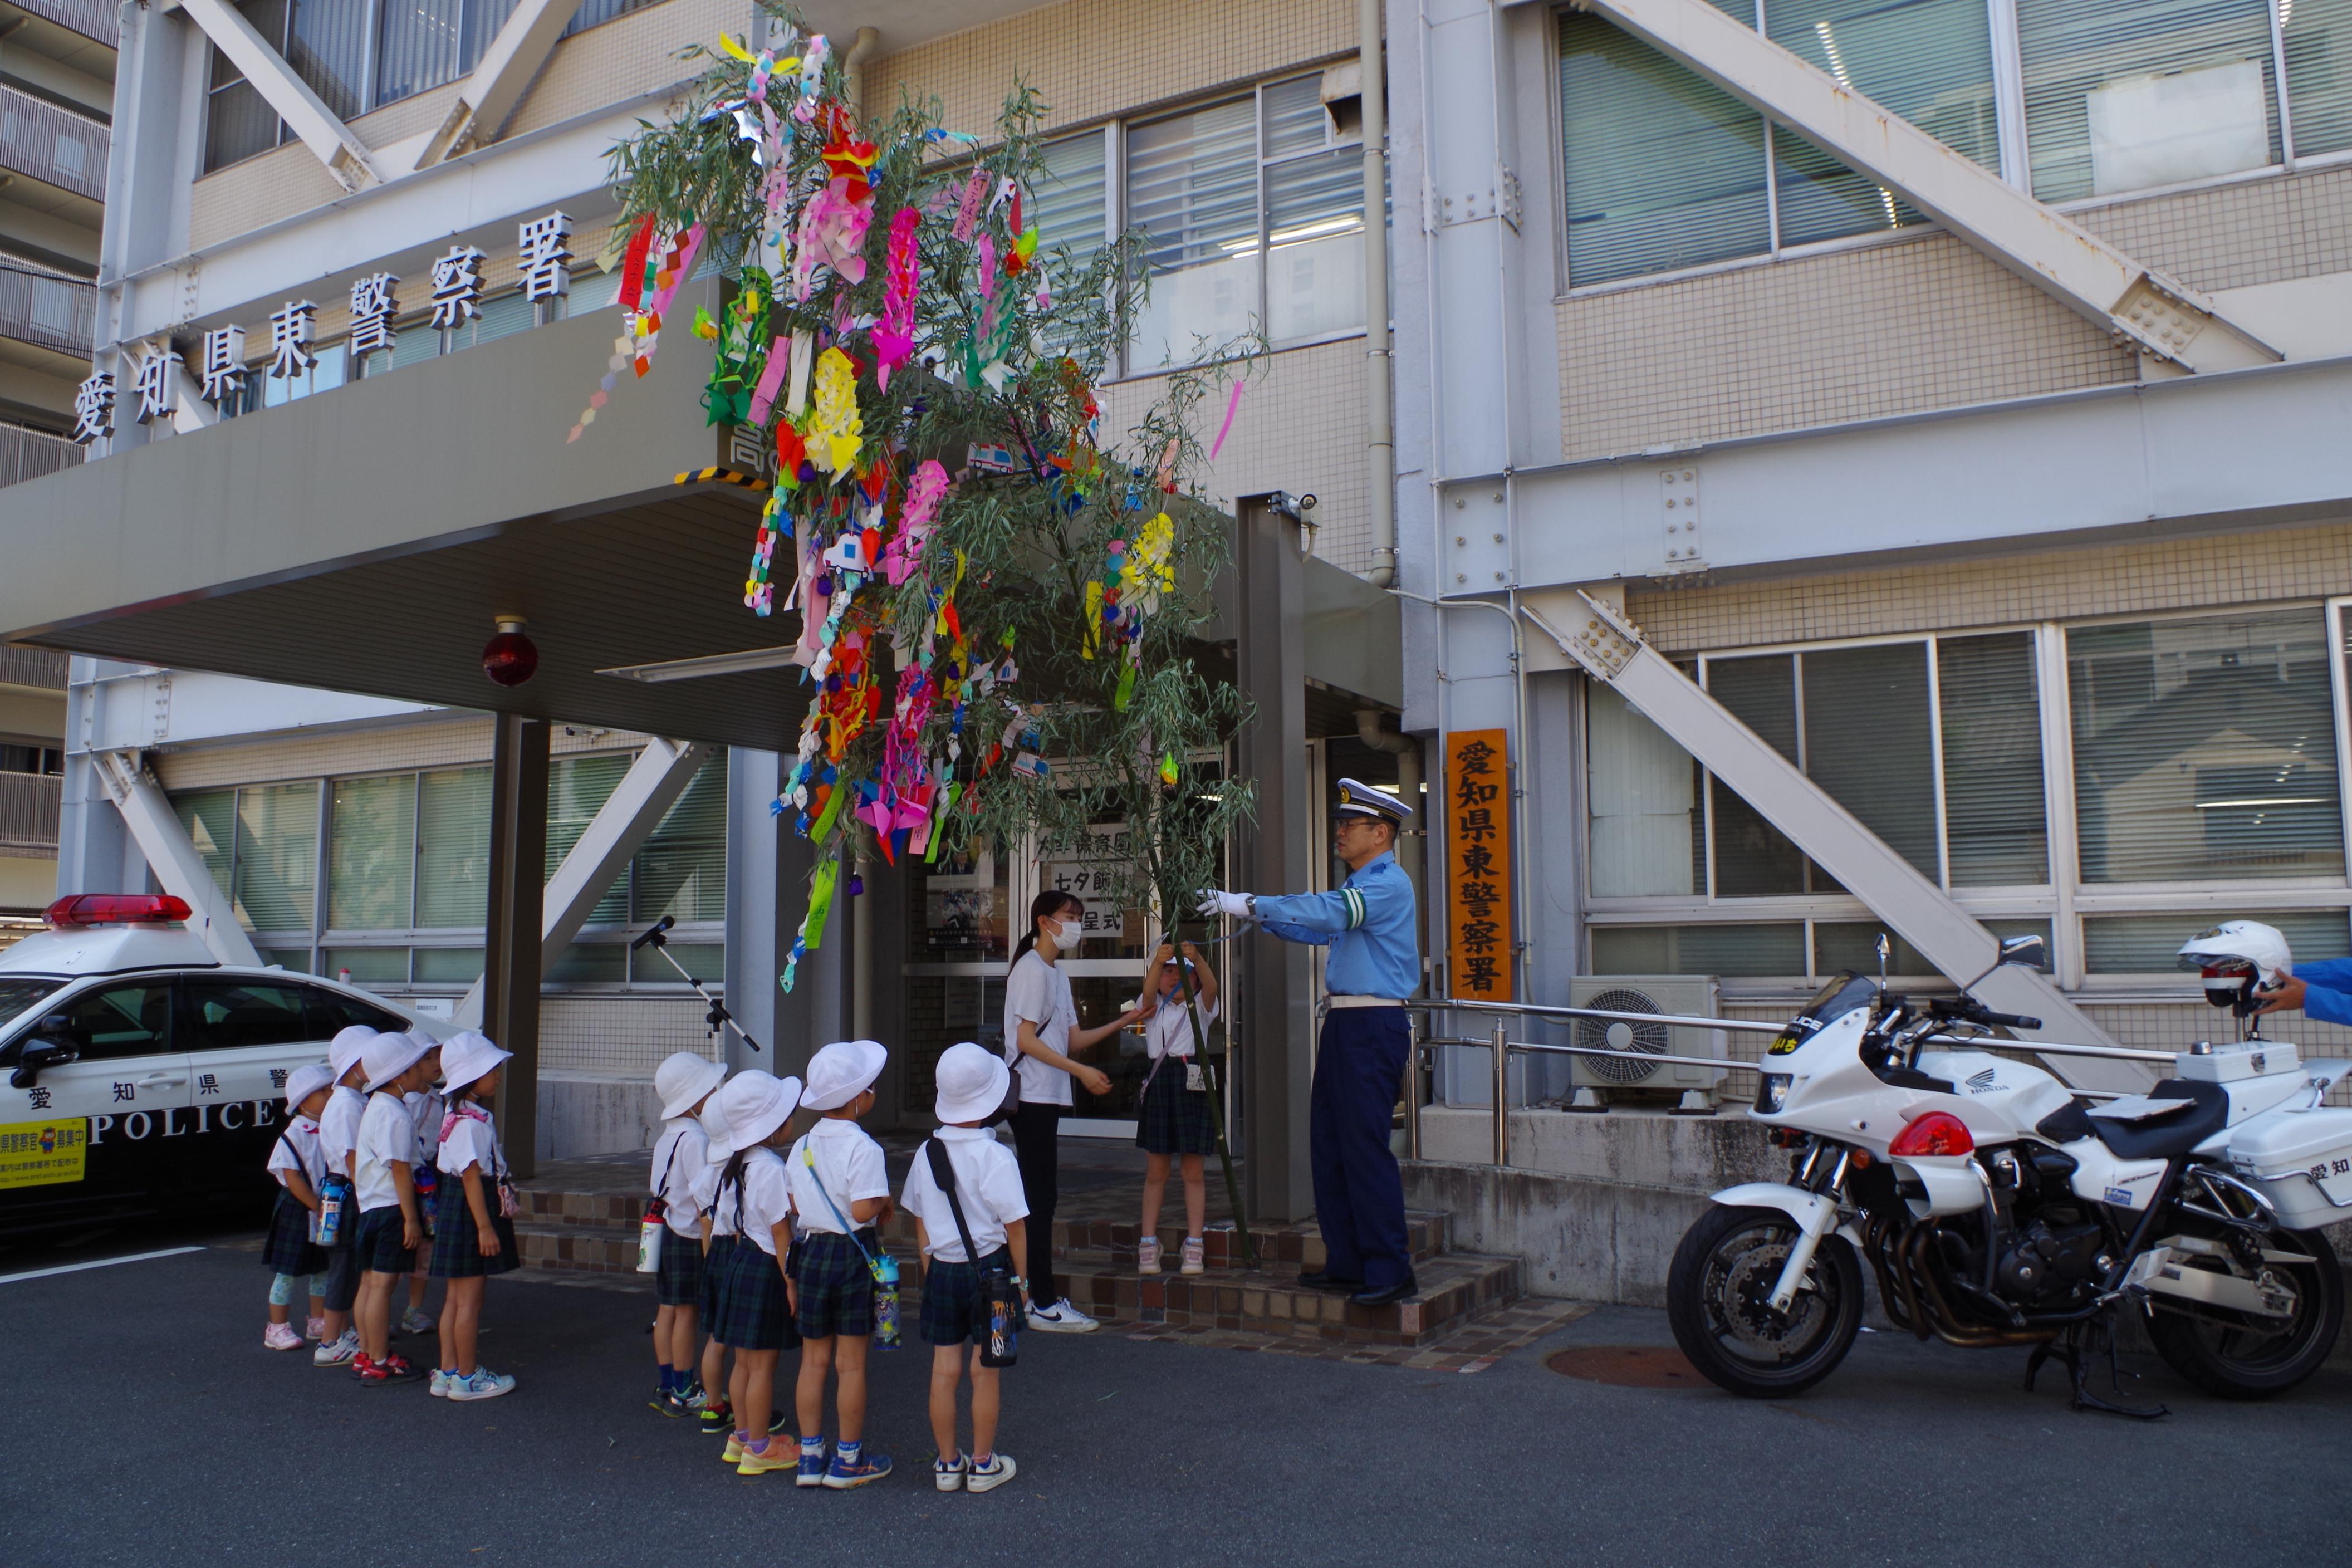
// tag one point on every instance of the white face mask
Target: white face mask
(1067, 934)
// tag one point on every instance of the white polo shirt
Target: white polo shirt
(338, 1127)
(297, 1149)
(849, 1162)
(680, 1154)
(473, 1142)
(767, 1202)
(988, 1185)
(387, 1132)
(1168, 1031)
(1040, 992)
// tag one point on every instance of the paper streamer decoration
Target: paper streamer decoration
(1233, 406)
(764, 396)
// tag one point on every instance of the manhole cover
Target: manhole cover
(1627, 1366)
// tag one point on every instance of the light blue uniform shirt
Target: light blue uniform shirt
(1368, 923)
(2329, 979)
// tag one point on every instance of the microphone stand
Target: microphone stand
(718, 1017)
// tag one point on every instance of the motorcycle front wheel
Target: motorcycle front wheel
(2238, 1356)
(1718, 1299)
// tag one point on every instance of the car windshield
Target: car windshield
(20, 993)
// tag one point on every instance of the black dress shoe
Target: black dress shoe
(1387, 1297)
(1319, 1280)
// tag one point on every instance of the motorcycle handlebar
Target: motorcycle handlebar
(2011, 1020)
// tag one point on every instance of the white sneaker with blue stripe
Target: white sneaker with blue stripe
(483, 1383)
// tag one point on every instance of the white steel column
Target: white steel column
(1609, 648)
(173, 856)
(507, 69)
(617, 831)
(343, 154)
(2161, 316)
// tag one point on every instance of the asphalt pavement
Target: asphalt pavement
(147, 1425)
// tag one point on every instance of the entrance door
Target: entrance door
(1106, 976)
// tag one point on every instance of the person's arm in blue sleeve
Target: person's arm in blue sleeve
(1290, 933)
(1311, 918)
(2327, 989)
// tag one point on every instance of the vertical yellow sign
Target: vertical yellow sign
(1478, 863)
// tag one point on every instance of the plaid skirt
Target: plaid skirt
(953, 1310)
(1173, 1120)
(456, 1254)
(378, 1243)
(714, 1269)
(837, 1287)
(677, 1280)
(753, 1313)
(288, 1248)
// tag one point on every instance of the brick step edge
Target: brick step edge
(1257, 1304)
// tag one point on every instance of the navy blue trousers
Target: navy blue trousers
(1359, 1196)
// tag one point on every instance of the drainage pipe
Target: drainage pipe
(1380, 391)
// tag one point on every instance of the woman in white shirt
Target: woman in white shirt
(1041, 1031)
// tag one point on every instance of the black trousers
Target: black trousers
(1036, 1147)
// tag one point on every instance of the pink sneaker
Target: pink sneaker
(1147, 1256)
(315, 1329)
(1193, 1262)
(281, 1337)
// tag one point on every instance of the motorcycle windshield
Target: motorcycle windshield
(1833, 1002)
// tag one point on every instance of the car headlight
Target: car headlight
(1773, 1093)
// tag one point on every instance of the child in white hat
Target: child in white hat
(712, 1408)
(972, 1083)
(684, 1081)
(390, 1223)
(339, 1138)
(473, 1235)
(292, 1251)
(426, 1107)
(754, 1317)
(840, 1194)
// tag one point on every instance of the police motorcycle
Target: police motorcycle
(1994, 1207)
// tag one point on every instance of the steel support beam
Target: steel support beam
(507, 69)
(172, 854)
(1608, 649)
(512, 925)
(343, 154)
(1277, 1048)
(613, 837)
(2158, 315)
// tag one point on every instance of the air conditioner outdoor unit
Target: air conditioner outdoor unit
(1598, 1080)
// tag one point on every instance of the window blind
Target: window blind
(1192, 186)
(1995, 814)
(2128, 94)
(2318, 38)
(327, 46)
(1930, 61)
(1640, 796)
(1751, 950)
(1867, 741)
(1069, 202)
(577, 789)
(372, 853)
(210, 821)
(682, 870)
(277, 856)
(2205, 749)
(453, 847)
(1752, 858)
(2150, 944)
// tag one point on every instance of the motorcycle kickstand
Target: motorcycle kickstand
(2069, 1349)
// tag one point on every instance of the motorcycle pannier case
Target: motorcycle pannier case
(2303, 1162)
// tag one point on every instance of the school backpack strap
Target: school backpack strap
(943, 1178)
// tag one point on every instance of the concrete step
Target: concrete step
(580, 1249)
(1454, 1289)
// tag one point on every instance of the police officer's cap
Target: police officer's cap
(1359, 799)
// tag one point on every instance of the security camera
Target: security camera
(1306, 503)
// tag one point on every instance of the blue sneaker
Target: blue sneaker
(868, 1465)
(812, 1471)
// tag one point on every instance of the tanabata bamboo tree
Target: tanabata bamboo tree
(999, 607)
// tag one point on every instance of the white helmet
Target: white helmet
(2238, 958)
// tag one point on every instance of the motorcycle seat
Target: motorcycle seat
(2168, 1136)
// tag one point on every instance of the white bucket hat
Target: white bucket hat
(714, 1126)
(973, 1081)
(683, 1077)
(389, 1056)
(344, 1051)
(465, 1055)
(755, 1104)
(305, 1081)
(842, 1071)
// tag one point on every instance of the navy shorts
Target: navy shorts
(837, 1287)
(378, 1243)
(954, 1311)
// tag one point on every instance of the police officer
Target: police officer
(1375, 964)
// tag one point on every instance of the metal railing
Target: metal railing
(54, 145)
(44, 667)
(42, 306)
(1501, 1047)
(29, 813)
(30, 454)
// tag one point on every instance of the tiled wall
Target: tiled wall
(620, 1037)
(1089, 59)
(1300, 429)
(1888, 329)
(2231, 237)
(2125, 579)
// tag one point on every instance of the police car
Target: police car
(138, 1072)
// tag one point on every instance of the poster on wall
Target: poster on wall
(1480, 941)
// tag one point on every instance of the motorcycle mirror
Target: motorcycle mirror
(2023, 953)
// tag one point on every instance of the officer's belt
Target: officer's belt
(1362, 1001)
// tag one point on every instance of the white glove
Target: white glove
(1213, 902)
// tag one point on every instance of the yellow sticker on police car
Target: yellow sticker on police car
(41, 1153)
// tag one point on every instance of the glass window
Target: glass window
(1752, 858)
(327, 47)
(591, 964)
(209, 818)
(372, 853)
(277, 856)
(2148, 944)
(2318, 38)
(368, 965)
(1853, 944)
(706, 961)
(2123, 95)
(453, 847)
(595, 12)
(321, 377)
(237, 123)
(420, 44)
(682, 870)
(449, 966)
(332, 1011)
(1069, 202)
(233, 1014)
(1192, 186)
(1314, 217)
(120, 1021)
(1867, 741)
(1995, 813)
(1747, 951)
(296, 958)
(1642, 787)
(2205, 750)
(577, 789)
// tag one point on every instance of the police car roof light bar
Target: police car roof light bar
(117, 909)
(657, 936)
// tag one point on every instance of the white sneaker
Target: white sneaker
(1194, 1255)
(483, 1385)
(339, 1351)
(1062, 1318)
(442, 1379)
(415, 1322)
(1147, 1256)
(987, 1477)
(947, 1474)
